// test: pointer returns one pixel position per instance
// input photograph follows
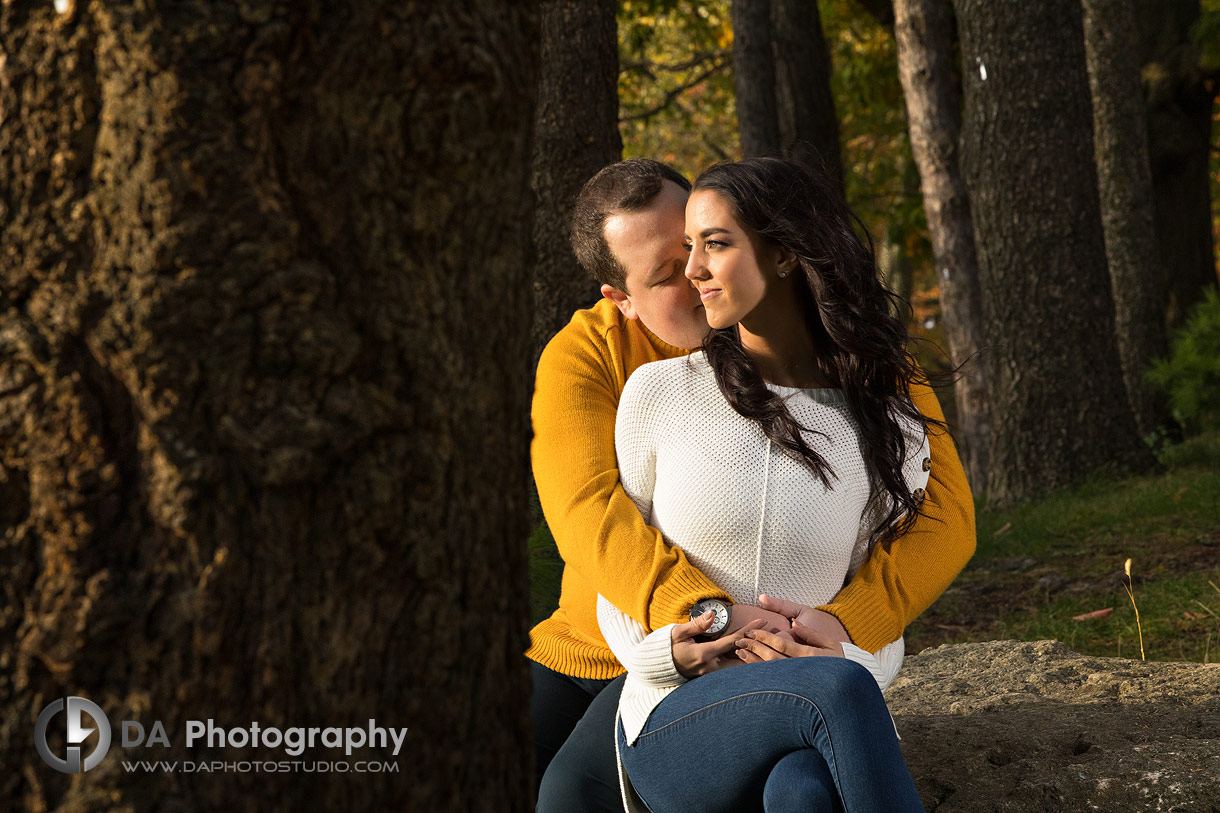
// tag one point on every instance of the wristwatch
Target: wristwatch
(720, 619)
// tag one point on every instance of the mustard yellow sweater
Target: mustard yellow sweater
(607, 548)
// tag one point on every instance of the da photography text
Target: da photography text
(81, 717)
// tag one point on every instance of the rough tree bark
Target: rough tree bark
(575, 135)
(1058, 404)
(1120, 143)
(754, 78)
(1179, 103)
(262, 392)
(808, 124)
(923, 30)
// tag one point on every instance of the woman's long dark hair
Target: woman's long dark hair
(859, 342)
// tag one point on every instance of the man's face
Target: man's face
(649, 244)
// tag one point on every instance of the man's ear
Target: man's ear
(621, 300)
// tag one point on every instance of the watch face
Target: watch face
(720, 619)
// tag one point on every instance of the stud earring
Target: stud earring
(783, 272)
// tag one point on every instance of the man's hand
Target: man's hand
(693, 658)
(760, 645)
(819, 621)
(742, 614)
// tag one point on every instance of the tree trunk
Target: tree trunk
(896, 270)
(1058, 404)
(754, 78)
(923, 30)
(1179, 113)
(1125, 184)
(808, 124)
(575, 135)
(263, 317)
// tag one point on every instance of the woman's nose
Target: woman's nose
(694, 269)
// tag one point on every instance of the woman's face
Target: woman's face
(731, 277)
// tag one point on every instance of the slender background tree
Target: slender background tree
(924, 33)
(808, 123)
(575, 135)
(754, 72)
(1125, 185)
(1180, 96)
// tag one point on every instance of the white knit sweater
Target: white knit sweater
(746, 513)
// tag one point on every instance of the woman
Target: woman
(774, 458)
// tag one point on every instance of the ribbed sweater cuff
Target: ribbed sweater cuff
(868, 618)
(866, 659)
(655, 666)
(675, 596)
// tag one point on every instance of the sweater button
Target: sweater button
(927, 464)
(918, 494)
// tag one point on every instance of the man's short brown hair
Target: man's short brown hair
(623, 187)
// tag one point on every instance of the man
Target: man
(628, 232)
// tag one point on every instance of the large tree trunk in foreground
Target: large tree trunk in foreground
(754, 78)
(808, 124)
(923, 30)
(262, 426)
(1125, 185)
(1058, 403)
(575, 135)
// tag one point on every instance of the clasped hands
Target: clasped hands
(774, 629)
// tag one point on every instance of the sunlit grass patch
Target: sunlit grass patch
(1041, 564)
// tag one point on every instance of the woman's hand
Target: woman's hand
(693, 658)
(760, 645)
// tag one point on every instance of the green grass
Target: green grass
(1040, 564)
(1170, 634)
(546, 572)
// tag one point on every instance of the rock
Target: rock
(1013, 726)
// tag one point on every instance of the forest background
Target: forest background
(266, 347)
(677, 95)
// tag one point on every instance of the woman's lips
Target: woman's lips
(709, 293)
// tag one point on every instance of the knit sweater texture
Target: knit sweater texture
(608, 547)
(746, 512)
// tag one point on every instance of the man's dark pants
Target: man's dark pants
(573, 719)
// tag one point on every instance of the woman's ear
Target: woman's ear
(785, 261)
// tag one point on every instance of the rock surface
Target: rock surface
(1012, 726)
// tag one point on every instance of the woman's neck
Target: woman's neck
(783, 348)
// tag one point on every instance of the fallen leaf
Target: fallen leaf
(1092, 615)
(1194, 616)
(1007, 527)
(1178, 496)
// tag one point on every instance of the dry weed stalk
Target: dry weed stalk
(1129, 587)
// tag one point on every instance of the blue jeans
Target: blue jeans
(792, 734)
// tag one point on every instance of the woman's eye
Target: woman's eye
(714, 244)
(687, 246)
